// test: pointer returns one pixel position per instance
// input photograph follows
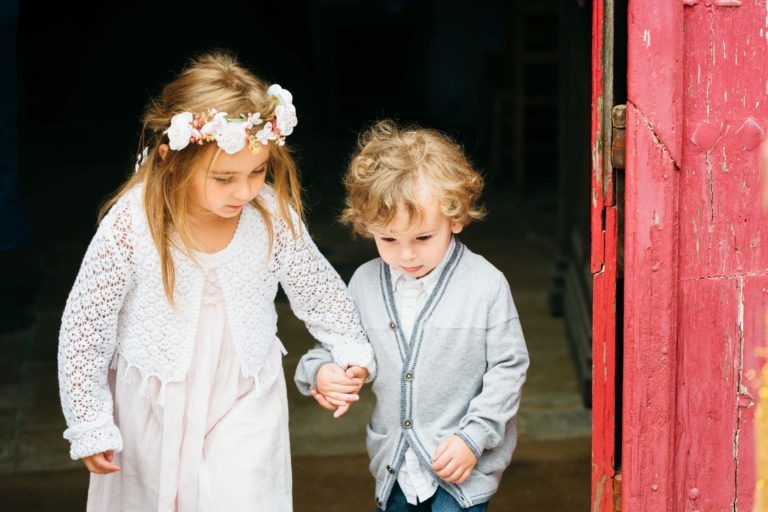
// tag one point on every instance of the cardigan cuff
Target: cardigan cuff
(355, 354)
(96, 440)
(475, 436)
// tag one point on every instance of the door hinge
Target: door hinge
(617, 492)
(618, 136)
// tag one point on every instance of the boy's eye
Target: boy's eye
(423, 238)
(387, 239)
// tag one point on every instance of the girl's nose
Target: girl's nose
(243, 192)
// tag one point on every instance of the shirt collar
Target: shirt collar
(427, 282)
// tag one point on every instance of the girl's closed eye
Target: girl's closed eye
(222, 179)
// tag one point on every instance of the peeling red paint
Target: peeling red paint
(693, 255)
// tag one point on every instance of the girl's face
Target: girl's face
(231, 182)
(416, 248)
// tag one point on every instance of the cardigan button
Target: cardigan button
(379, 503)
(390, 469)
(408, 376)
(408, 423)
(393, 326)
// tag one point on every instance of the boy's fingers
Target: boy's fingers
(345, 397)
(109, 455)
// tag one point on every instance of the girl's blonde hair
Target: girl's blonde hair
(212, 80)
(387, 168)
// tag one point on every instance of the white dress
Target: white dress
(213, 442)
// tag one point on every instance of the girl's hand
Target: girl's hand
(101, 463)
(453, 460)
(337, 388)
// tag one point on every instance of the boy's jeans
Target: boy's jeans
(441, 501)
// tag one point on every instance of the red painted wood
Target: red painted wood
(603, 265)
(696, 274)
(650, 321)
(651, 252)
(707, 413)
(722, 230)
(596, 141)
(604, 371)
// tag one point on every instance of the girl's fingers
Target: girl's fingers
(98, 464)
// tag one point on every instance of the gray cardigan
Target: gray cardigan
(461, 373)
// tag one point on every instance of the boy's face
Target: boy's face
(416, 249)
(232, 181)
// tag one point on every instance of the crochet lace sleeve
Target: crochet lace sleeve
(319, 297)
(87, 338)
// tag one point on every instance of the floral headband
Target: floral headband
(231, 134)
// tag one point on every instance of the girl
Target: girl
(177, 290)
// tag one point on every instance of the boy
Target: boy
(448, 343)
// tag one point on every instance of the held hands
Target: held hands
(101, 463)
(453, 461)
(337, 388)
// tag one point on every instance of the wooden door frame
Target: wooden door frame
(653, 154)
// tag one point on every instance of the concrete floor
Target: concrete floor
(550, 470)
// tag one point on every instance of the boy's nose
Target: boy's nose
(406, 253)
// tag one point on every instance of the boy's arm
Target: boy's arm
(484, 424)
(309, 364)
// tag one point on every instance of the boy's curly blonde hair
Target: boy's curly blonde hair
(385, 173)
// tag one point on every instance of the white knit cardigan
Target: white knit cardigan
(118, 305)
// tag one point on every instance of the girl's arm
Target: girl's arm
(484, 424)
(87, 338)
(319, 297)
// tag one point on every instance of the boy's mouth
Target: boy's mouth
(411, 270)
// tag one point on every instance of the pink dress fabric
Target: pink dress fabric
(216, 441)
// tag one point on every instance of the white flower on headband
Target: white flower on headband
(218, 122)
(285, 119)
(233, 133)
(231, 137)
(181, 130)
(284, 97)
(266, 134)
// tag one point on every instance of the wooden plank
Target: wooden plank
(654, 113)
(726, 108)
(604, 372)
(707, 416)
(597, 202)
(603, 262)
(650, 321)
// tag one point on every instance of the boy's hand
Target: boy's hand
(359, 373)
(453, 460)
(337, 388)
(101, 463)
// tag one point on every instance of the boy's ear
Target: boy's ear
(456, 227)
(163, 149)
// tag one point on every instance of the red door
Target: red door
(695, 270)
